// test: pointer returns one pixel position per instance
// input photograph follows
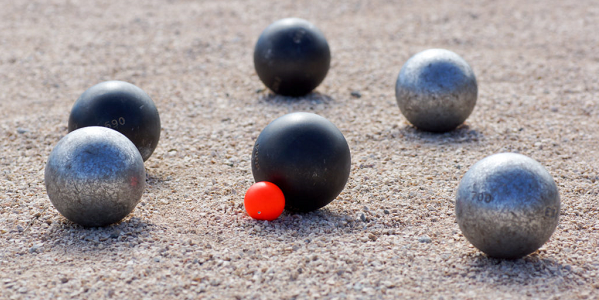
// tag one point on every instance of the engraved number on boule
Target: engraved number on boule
(256, 148)
(483, 197)
(115, 123)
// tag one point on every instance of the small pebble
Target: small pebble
(35, 248)
(425, 239)
(356, 94)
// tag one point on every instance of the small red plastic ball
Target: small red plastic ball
(264, 201)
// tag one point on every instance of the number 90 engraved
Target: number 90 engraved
(115, 123)
(483, 197)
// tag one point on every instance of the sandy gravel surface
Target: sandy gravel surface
(390, 234)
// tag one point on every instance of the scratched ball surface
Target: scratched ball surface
(123, 107)
(292, 57)
(507, 205)
(306, 156)
(436, 90)
(95, 176)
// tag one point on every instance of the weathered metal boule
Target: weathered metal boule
(507, 205)
(436, 90)
(95, 176)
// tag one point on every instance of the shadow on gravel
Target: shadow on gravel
(461, 135)
(155, 179)
(320, 222)
(306, 102)
(518, 271)
(156, 182)
(72, 237)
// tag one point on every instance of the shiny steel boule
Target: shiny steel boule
(436, 90)
(95, 176)
(507, 205)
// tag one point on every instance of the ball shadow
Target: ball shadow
(155, 180)
(305, 102)
(463, 134)
(301, 225)
(503, 271)
(72, 237)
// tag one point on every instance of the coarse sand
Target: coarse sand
(390, 234)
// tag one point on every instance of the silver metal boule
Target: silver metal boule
(507, 205)
(436, 90)
(95, 176)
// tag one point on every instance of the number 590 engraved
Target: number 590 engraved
(115, 123)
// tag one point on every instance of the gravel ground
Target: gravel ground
(391, 233)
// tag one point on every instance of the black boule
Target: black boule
(306, 156)
(123, 107)
(292, 57)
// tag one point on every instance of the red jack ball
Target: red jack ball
(264, 201)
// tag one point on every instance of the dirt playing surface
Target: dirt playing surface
(390, 234)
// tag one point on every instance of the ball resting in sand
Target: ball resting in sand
(95, 176)
(436, 90)
(507, 205)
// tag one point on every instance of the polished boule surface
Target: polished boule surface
(507, 205)
(436, 90)
(95, 176)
